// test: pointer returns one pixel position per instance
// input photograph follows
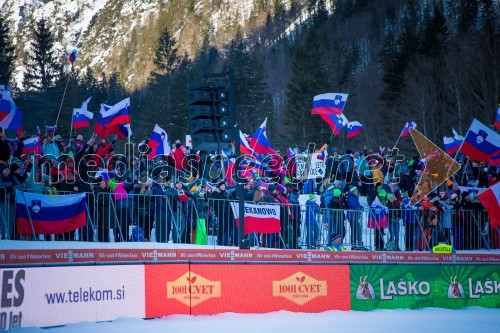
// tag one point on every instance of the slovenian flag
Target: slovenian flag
(497, 119)
(378, 217)
(353, 129)
(406, 130)
(481, 143)
(259, 142)
(245, 147)
(450, 145)
(50, 214)
(10, 115)
(330, 103)
(458, 138)
(103, 129)
(491, 201)
(336, 122)
(50, 128)
(158, 142)
(118, 114)
(82, 117)
(31, 145)
(72, 57)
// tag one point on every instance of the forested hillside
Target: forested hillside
(435, 62)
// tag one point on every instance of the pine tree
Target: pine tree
(308, 79)
(44, 71)
(7, 51)
(253, 101)
(43, 68)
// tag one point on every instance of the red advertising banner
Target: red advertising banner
(235, 255)
(210, 289)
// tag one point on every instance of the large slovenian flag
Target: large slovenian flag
(10, 115)
(264, 219)
(118, 114)
(496, 123)
(481, 143)
(82, 117)
(259, 142)
(408, 126)
(491, 201)
(31, 145)
(50, 214)
(330, 103)
(450, 145)
(336, 122)
(158, 142)
(353, 129)
(104, 130)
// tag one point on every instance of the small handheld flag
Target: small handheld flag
(336, 122)
(353, 129)
(72, 57)
(158, 142)
(406, 130)
(82, 117)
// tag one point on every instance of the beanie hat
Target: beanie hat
(453, 196)
(79, 137)
(353, 188)
(382, 193)
(312, 197)
(390, 196)
(337, 192)
(220, 183)
(14, 167)
(334, 236)
(112, 184)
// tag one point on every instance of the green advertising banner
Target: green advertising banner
(420, 286)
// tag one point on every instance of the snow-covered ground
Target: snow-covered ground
(402, 321)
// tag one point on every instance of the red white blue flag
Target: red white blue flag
(330, 103)
(353, 129)
(245, 148)
(408, 126)
(259, 142)
(82, 117)
(491, 201)
(481, 143)
(31, 145)
(104, 128)
(50, 214)
(158, 142)
(450, 145)
(336, 122)
(72, 57)
(10, 115)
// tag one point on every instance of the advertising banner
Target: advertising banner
(210, 289)
(49, 296)
(419, 286)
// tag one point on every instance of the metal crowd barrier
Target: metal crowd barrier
(159, 218)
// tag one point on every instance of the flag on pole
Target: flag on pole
(450, 145)
(330, 103)
(72, 57)
(406, 129)
(103, 128)
(353, 129)
(259, 142)
(50, 214)
(336, 122)
(118, 114)
(497, 119)
(481, 143)
(50, 128)
(10, 116)
(158, 142)
(82, 117)
(31, 145)
(245, 148)
(491, 202)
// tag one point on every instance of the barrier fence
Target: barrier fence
(115, 217)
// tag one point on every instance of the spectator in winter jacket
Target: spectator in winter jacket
(7, 202)
(50, 149)
(4, 149)
(295, 216)
(335, 243)
(312, 228)
(354, 210)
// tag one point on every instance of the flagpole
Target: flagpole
(62, 101)
(71, 128)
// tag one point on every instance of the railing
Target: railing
(207, 221)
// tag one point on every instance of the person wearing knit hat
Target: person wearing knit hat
(335, 243)
(382, 193)
(394, 216)
(353, 189)
(337, 193)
